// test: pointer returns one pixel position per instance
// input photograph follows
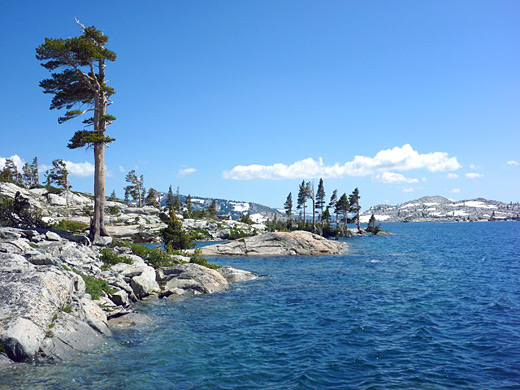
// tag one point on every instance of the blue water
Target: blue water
(435, 306)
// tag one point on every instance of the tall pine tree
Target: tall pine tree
(354, 205)
(320, 197)
(80, 81)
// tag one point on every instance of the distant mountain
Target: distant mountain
(438, 208)
(258, 212)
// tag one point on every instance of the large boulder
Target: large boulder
(297, 243)
(69, 336)
(94, 316)
(194, 279)
(21, 340)
(236, 275)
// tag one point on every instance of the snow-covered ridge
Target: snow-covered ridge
(437, 208)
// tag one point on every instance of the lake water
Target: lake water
(435, 306)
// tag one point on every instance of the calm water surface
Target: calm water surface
(435, 306)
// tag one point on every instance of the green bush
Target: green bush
(374, 229)
(18, 212)
(108, 257)
(200, 234)
(113, 210)
(154, 257)
(70, 226)
(236, 233)
(329, 232)
(95, 287)
(197, 259)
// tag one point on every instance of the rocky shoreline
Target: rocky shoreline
(45, 310)
(296, 243)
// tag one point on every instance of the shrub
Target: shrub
(95, 287)
(70, 226)
(18, 212)
(200, 234)
(374, 229)
(110, 258)
(197, 259)
(329, 232)
(154, 257)
(113, 210)
(236, 233)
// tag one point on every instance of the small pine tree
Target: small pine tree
(320, 197)
(288, 206)
(173, 235)
(177, 205)
(212, 209)
(169, 199)
(58, 174)
(189, 206)
(35, 178)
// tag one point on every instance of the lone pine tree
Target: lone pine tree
(80, 83)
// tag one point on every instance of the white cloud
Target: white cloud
(18, 161)
(122, 169)
(473, 166)
(392, 177)
(408, 190)
(452, 176)
(186, 171)
(512, 162)
(474, 175)
(456, 190)
(83, 169)
(403, 158)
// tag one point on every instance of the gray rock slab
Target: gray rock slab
(195, 279)
(297, 243)
(236, 275)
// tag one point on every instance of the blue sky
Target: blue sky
(245, 99)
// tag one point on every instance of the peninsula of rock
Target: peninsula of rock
(296, 243)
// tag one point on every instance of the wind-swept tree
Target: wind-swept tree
(332, 203)
(212, 209)
(302, 198)
(35, 179)
(135, 188)
(288, 206)
(80, 87)
(153, 198)
(10, 171)
(58, 174)
(343, 207)
(309, 189)
(26, 175)
(320, 197)
(177, 204)
(189, 206)
(354, 204)
(169, 198)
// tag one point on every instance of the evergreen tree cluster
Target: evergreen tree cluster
(345, 208)
(57, 175)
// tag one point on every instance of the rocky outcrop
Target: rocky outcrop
(45, 310)
(191, 279)
(233, 275)
(277, 244)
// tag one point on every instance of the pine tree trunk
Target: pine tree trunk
(97, 228)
